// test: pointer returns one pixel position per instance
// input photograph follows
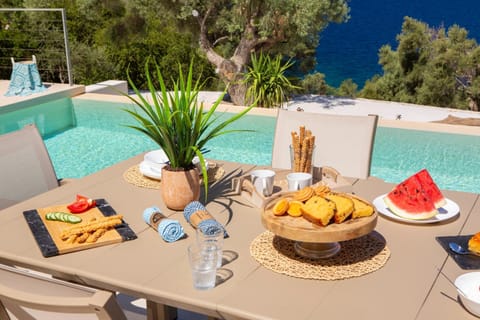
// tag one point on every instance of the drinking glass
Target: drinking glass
(203, 264)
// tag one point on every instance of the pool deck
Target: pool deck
(413, 117)
(54, 91)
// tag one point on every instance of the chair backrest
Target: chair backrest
(29, 296)
(25, 166)
(343, 142)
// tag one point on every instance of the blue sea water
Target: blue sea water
(350, 50)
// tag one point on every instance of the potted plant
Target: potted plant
(180, 126)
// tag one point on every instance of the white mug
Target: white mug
(263, 181)
(298, 180)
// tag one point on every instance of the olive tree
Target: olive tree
(431, 66)
(230, 31)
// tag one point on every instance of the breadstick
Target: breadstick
(106, 222)
(97, 234)
(72, 238)
(303, 158)
(308, 165)
(296, 151)
(83, 237)
(302, 134)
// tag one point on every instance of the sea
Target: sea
(350, 50)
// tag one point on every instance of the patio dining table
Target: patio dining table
(407, 286)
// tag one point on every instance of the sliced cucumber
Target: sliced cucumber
(63, 216)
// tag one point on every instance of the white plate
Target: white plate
(155, 172)
(149, 171)
(448, 211)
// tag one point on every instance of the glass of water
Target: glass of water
(203, 263)
(212, 240)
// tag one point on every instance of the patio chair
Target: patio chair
(26, 296)
(25, 166)
(342, 142)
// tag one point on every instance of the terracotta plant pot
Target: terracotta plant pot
(179, 188)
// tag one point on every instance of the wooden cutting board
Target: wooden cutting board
(47, 233)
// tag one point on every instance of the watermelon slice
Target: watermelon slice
(431, 188)
(411, 199)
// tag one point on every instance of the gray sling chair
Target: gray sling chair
(27, 296)
(25, 166)
(342, 142)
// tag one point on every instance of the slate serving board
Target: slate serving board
(47, 233)
(466, 262)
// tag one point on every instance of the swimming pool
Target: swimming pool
(97, 138)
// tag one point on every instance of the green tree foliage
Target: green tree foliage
(430, 66)
(106, 37)
(267, 84)
(229, 31)
(347, 88)
(314, 83)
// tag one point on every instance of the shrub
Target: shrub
(266, 81)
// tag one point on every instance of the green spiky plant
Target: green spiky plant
(176, 121)
(266, 80)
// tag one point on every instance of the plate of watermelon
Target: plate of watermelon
(417, 200)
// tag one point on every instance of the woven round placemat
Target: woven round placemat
(356, 258)
(134, 176)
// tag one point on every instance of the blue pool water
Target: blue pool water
(99, 138)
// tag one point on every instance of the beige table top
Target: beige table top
(406, 287)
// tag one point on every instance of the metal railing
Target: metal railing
(25, 32)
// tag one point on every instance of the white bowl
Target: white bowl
(156, 159)
(469, 283)
(149, 171)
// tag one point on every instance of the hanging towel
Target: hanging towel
(197, 215)
(25, 80)
(169, 229)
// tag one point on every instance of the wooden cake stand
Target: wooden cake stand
(311, 240)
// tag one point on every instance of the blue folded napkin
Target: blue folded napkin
(207, 224)
(169, 229)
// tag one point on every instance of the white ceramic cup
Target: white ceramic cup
(263, 181)
(298, 180)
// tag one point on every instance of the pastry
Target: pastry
(295, 208)
(281, 207)
(303, 194)
(344, 206)
(321, 189)
(319, 210)
(474, 244)
(361, 208)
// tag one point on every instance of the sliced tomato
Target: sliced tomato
(81, 204)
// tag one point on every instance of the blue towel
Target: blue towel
(25, 80)
(169, 229)
(206, 226)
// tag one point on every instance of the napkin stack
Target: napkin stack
(169, 229)
(197, 215)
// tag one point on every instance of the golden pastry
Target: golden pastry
(281, 207)
(319, 210)
(303, 194)
(321, 189)
(344, 206)
(361, 208)
(474, 243)
(295, 208)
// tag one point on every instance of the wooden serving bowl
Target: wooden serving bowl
(312, 240)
